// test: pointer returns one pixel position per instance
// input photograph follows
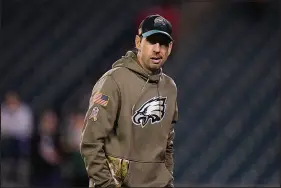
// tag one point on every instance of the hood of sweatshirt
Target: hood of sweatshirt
(132, 64)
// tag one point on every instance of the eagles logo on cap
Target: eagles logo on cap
(159, 22)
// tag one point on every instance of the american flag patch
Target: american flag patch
(101, 99)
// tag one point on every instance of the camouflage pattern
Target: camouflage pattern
(118, 168)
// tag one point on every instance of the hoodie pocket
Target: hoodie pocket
(118, 168)
(147, 175)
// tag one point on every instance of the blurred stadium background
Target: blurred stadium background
(226, 63)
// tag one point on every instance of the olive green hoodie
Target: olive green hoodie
(127, 138)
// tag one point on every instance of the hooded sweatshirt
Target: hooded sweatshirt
(127, 138)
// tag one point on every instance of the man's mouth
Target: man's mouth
(156, 59)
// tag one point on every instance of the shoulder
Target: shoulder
(26, 108)
(116, 70)
(113, 75)
(169, 82)
(118, 73)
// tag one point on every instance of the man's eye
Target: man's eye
(165, 43)
(161, 39)
(161, 42)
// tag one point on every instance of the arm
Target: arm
(170, 146)
(99, 122)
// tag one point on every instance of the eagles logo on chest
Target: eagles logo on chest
(152, 111)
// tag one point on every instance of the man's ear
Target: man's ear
(138, 42)
(170, 47)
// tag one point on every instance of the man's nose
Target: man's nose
(156, 47)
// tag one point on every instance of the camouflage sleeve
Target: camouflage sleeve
(170, 146)
(99, 122)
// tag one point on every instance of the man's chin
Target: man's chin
(155, 68)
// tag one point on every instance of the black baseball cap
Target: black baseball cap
(156, 24)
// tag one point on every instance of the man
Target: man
(127, 138)
(16, 131)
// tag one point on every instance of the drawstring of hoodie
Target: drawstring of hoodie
(142, 90)
(143, 87)
(158, 92)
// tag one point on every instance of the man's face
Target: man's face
(153, 51)
(12, 101)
